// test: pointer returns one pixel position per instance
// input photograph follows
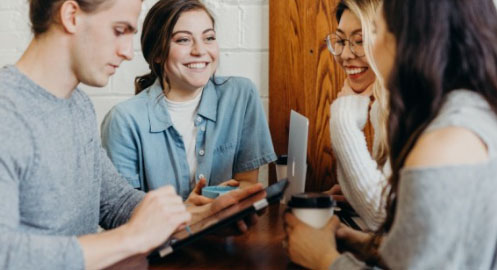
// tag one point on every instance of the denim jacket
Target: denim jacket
(233, 136)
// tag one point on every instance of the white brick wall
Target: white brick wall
(242, 29)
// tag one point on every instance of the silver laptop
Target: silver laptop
(297, 154)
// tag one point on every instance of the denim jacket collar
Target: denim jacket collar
(208, 103)
(158, 114)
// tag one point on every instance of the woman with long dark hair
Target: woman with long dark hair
(187, 127)
(439, 62)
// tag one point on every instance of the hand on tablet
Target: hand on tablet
(196, 197)
(242, 225)
(235, 196)
(224, 201)
(157, 216)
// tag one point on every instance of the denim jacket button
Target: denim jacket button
(201, 152)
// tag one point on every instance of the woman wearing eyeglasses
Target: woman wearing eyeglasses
(442, 133)
(361, 176)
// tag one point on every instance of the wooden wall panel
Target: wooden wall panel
(304, 77)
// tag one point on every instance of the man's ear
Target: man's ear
(69, 14)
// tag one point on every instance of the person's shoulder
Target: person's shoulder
(134, 106)
(10, 83)
(16, 130)
(447, 146)
(10, 96)
(132, 110)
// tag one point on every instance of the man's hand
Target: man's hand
(157, 216)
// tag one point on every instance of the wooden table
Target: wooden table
(259, 248)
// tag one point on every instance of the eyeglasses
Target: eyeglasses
(336, 44)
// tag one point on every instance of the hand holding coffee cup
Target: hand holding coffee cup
(314, 209)
(310, 230)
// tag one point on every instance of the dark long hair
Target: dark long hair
(156, 36)
(442, 45)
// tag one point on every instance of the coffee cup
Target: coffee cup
(281, 167)
(314, 209)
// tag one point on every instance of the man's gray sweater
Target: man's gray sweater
(56, 182)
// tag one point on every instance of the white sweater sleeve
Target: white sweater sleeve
(358, 174)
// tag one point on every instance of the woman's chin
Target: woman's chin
(358, 90)
(358, 87)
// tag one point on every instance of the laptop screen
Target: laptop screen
(297, 154)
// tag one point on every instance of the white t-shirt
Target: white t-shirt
(183, 116)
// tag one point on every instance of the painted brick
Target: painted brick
(10, 4)
(253, 65)
(123, 80)
(13, 41)
(255, 21)
(228, 26)
(10, 21)
(8, 58)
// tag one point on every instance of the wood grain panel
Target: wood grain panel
(304, 77)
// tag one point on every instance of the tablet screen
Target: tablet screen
(211, 220)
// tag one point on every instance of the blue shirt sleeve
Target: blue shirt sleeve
(255, 147)
(119, 139)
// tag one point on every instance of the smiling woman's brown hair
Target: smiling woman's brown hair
(156, 36)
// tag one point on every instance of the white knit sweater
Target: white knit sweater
(361, 181)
